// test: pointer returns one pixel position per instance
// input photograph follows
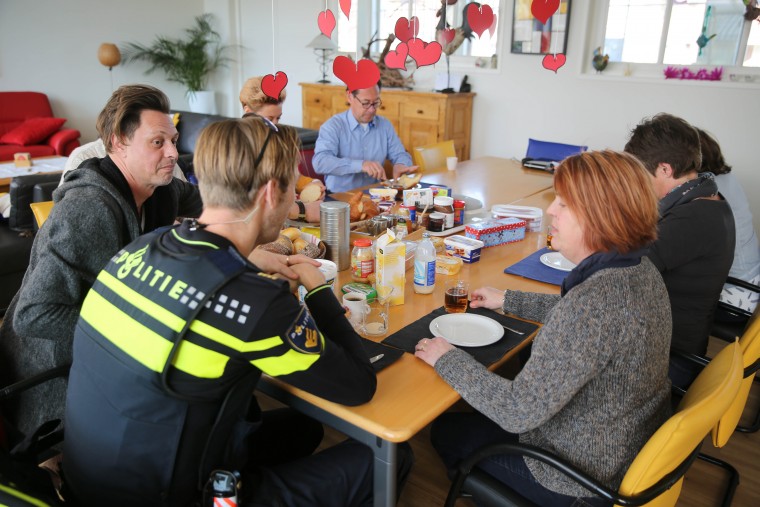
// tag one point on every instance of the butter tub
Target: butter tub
(465, 248)
(497, 232)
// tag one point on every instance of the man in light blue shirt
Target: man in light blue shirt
(353, 145)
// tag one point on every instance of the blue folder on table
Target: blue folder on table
(546, 154)
(532, 267)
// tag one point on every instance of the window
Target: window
(377, 18)
(681, 32)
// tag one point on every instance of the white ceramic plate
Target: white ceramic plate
(467, 329)
(557, 261)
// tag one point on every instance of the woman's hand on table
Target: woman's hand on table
(430, 350)
(487, 297)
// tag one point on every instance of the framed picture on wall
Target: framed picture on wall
(532, 37)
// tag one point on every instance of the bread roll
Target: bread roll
(292, 233)
(361, 207)
(410, 180)
(310, 194)
(287, 245)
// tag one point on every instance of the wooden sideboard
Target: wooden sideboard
(420, 118)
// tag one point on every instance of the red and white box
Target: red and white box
(496, 232)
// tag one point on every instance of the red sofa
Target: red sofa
(27, 125)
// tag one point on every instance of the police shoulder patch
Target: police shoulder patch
(303, 334)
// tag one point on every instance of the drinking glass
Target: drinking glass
(456, 295)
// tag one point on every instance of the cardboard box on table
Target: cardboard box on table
(390, 268)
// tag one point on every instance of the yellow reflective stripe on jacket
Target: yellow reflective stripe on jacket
(226, 339)
(137, 300)
(145, 345)
(289, 362)
(175, 323)
(23, 496)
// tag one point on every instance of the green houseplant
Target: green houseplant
(188, 61)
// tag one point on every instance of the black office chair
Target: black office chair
(730, 321)
(22, 481)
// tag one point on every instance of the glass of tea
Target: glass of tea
(455, 298)
(549, 237)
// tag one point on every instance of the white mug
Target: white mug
(356, 306)
(451, 163)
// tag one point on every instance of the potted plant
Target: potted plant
(187, 61)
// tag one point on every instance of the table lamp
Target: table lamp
(323, 47)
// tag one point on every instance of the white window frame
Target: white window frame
(366, 26)
(732, 74)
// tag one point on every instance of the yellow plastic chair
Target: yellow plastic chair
(725, 427)
(41, 211)
(432, 158)
(656, 475)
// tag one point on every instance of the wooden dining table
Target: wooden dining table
(410, 394)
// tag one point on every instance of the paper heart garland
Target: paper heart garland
(357, 76)
(424, 53)
(345, 6)
(554, 62)
(407, 28)
(492, 28)
(479, 18)
(273, 85)
(444, 37)
(326, 22)
(397, 59)
(542, 10)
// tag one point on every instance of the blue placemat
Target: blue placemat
(531, 267)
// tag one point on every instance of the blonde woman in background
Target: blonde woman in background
(255, 101)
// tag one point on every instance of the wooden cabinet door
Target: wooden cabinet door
(418, 132)
(316, 108)
(390, 109)
(419, 121)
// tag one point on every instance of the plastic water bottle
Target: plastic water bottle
(424, 266)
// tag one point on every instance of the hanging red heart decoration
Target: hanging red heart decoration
(407, 28)
(479, 18)
(326, 22)
(273, 85)
(542, 10)
(397, 59)
(492, 28)
(345, 6)
(357, 76)
(444, 37)
(554, 62)
(424, 53)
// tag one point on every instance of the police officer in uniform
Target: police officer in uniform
(176, 332)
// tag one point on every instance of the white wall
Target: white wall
(518, 101)
(51, 47)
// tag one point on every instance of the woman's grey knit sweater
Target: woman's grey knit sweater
(596, 386)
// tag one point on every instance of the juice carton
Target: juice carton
(390, 268)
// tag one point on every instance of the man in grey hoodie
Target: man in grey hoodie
(101, 207)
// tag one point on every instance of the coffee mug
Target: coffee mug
(356, 309)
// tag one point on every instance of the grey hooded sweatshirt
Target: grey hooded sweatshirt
(93, 217)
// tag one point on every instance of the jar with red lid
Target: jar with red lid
(362, 260)
(459, 206)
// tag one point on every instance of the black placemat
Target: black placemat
(408, 337)
(390, 354)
